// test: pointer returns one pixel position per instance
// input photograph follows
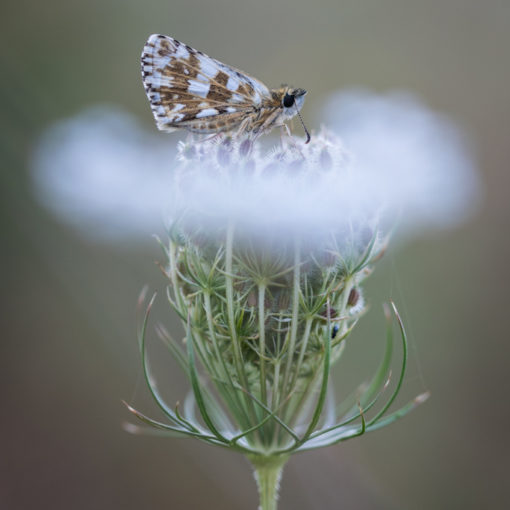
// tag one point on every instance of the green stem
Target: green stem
(238, 357)
(294, 323)
(268, 473)
(262, 342)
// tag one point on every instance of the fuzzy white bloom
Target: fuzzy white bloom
(397, 161)
(296, 189)
(417, 158)
(102, 173)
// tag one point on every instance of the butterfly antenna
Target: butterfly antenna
(308, 137)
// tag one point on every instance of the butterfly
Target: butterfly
(190, 90)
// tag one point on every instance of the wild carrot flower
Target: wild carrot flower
(265, 257)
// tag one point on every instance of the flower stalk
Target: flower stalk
(268, 473)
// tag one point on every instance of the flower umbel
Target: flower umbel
(265, 259)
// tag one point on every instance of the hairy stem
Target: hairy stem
(268, 473)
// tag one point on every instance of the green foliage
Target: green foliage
(263, 329)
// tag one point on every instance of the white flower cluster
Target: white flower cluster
(417, 158)
(292, 190)
(398, 161)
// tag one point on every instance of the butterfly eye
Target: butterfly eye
(288, 100)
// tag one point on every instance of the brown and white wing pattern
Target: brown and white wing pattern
(187, 89)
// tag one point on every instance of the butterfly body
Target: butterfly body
(190, 90)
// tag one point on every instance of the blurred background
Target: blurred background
(69, 352)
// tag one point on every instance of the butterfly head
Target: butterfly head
(292, 101)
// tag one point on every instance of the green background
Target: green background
(69, 353)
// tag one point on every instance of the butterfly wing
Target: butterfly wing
(188, 89)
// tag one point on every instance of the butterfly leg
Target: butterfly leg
(244, 126)
(284, 130)
(289, 139)
(214, 136)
